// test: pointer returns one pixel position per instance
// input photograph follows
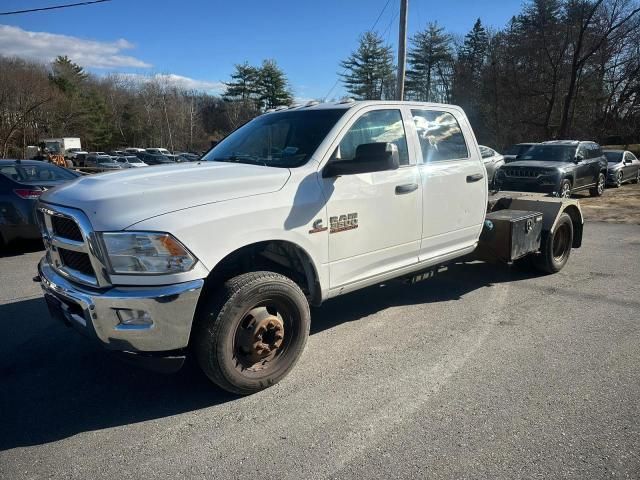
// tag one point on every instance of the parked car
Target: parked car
(73, 154)
(623, 167)
(21, 183)
(513, 151)
(117, 153)
(189, 157)
(102, 162)
(130, 161)
(561, 167)
(492, 162)
(133, 150)
(158, 151)
(153, 159)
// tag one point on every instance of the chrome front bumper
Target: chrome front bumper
(167, 311)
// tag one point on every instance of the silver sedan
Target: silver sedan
(623, 166)
(492, 162)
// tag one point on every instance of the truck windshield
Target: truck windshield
(284, 139)
(550, 153)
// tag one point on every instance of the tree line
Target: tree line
(40, 101)
(559, 69)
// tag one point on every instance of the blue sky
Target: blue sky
(199, 41)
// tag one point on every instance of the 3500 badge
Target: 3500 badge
(343, 222)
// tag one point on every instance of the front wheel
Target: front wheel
(565, 189)
(619, 180)
(250, 334)
(598, 190)
(556, 246)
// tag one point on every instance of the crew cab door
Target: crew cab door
(453, 180)
(375, 219)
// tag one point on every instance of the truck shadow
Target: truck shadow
(56, 384)
(20, 248)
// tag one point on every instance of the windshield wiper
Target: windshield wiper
(249, 159)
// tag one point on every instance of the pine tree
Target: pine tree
(244, 83)
(473, 52)
(369, 69)
(430, 61)
(273, 86)
(67, 76)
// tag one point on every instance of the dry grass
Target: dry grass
(617, 205)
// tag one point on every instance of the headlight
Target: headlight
(146, 253)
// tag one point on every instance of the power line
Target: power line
(371, 29)
(54, 7)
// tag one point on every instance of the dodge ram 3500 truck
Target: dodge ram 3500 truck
(221, 258)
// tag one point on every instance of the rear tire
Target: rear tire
(556, 247)
(251, 332)
(637, 179)
(598, 190)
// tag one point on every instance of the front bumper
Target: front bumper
(168, 311)
(528, 185)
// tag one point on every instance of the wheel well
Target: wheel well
(576, 220)
(279, 256)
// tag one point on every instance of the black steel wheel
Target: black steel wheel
(252, 331)
(598, 190)
(556, 246)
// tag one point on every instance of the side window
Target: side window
(583, 152)
(374, 127)
(440, 136)
(597, 151)
(485, 152)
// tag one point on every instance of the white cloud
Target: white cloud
(172, 79)
(45, 46)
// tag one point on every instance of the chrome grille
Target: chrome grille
(70, 244)
(66, 228)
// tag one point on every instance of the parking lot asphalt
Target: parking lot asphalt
(482, 372)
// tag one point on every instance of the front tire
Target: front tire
(565, 189)
(252, 331)
(619, 180)
(598, 190)
(556, 247)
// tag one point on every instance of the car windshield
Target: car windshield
(613, 157)
(550, 153)
(285, 139)
(131, 159)
(517, 149)
(105, 160)
(36, 173)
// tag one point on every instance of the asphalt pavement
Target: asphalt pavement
(482, 372)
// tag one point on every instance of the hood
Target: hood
(116, 200)
(614, 166)
(539, 164)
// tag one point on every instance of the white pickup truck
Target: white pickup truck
(221, 258)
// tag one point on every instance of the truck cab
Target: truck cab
(221, 258)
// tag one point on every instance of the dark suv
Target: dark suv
(561, 167)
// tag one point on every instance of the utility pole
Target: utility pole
(402, 47)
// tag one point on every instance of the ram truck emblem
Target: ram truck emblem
(342, 223)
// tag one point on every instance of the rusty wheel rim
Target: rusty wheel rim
(260, 339)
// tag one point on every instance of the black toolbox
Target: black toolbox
(510, 234)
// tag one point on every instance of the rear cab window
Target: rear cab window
(441, 138)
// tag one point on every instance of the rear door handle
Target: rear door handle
(406, 188)
(475, 177)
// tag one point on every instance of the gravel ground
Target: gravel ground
(617, 205)
(481, 372)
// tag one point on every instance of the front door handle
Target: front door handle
(475, 177)
(406, 188)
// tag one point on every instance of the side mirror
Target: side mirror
(578, 158)
(370, 157)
